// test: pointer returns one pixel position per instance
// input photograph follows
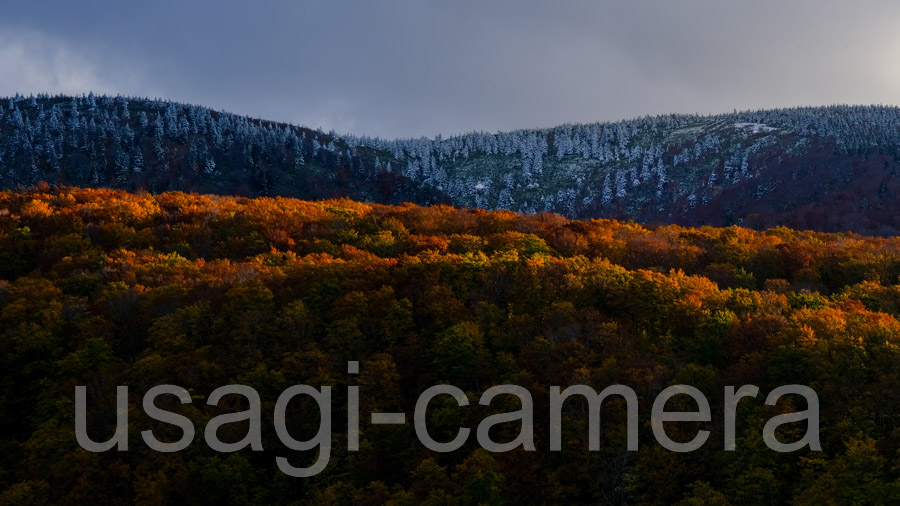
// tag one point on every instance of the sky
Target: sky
(411, 68)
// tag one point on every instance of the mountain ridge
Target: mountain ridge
(831, 168)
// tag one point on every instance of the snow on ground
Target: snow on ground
(754, 127)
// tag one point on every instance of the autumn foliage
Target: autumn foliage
(104, 288)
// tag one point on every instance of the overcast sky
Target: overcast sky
(411, 68)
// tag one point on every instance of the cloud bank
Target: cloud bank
(408, 68)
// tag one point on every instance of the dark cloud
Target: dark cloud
(410, 68)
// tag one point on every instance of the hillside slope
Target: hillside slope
(103, 288)
(827, 168)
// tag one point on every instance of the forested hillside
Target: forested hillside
(155, 145)
(821, 168)
(104, 288)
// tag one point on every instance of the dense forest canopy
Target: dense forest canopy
(825, 168)
(104, 288)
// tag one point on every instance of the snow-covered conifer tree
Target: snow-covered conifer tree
(606, 196)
